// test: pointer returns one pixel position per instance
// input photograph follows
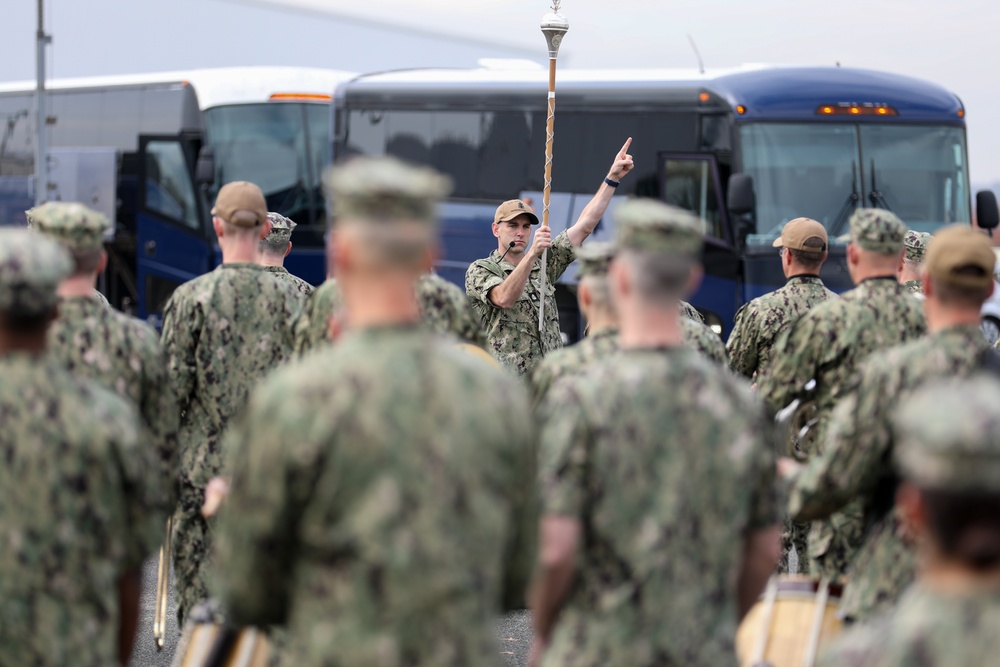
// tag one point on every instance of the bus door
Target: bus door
(172, 237)
(692, 181)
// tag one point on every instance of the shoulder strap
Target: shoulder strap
(492, 266)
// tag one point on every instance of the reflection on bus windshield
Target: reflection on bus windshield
(282, 147)
(814, 170)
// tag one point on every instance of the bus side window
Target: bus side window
(691, 183)
(169, 192)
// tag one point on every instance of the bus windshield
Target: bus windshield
(800, 169)
(280, 146)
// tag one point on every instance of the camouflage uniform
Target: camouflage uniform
(443, 309)
(827, 344)
(915, 245)
(360, 517)
(856, 465)
(222, 333)
(93, 341)
(756, 329)
(303, 288)
(77, 504)
(281, 234)
(947, 440)
(760, 322)
(661, 543)
(691, 313)
(512, 333)
(703, 339)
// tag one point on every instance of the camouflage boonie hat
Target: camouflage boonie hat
(877, 230)
(915, 245)
(948, 435)
(73, 225)
(281, 229)
(385, 189)
(652, 226)
(31, 267)
(595, 258)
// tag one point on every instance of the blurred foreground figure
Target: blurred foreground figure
(660, 516)
(79, 488)
(948, 453)
(381, 507)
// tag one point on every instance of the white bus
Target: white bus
(178, 137)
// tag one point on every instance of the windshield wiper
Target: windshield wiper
(876, 196)
(851, 203)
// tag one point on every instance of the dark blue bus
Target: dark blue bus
(746, 150)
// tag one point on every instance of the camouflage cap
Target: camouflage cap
(595, 258)
(385, 189)
(652, 226)
(961, 256)
(73, 225)
(877, 230)
(948, 435)
(915, 245)
(31, 267)
(281, 229)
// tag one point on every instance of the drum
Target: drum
(213, 645)
(789, 625)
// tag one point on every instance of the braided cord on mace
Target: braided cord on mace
(554, 27)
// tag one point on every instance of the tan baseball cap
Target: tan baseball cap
(960, 256)
(242, 204)
(510, 209)
(796, 232)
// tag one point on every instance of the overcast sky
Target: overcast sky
(950, 43)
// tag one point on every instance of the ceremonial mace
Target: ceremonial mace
(554, 27)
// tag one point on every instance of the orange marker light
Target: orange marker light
(827, 110)
(309, 97)
(740, 109)
(961, 113)
(704, 97)
(855, 110)
(882, 111)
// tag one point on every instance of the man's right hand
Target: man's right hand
(542, 240)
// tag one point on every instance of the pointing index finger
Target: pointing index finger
(624, 150)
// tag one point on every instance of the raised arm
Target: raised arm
(594, 211)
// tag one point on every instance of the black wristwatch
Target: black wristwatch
(612, 183)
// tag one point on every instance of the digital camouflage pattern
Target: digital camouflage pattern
(690, 312)
(663, 518)
(512, 333)
(311, 325)
(443, 309)
(760, 322)
(947, 434)
(877, 230)
(281, 229)
(915, 245)
(914, 286)
(102, 299)
(222, 333)
(827, 344)
(79, 509)
(703, 339)
(598, 345)
(73, 225)
(93, 341)
(927, 628)
(281, 273)
(380, 509)
(856, 464)
(31, 267)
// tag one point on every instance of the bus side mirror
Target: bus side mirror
(739, 195)
(204, 169)
(987, 216)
